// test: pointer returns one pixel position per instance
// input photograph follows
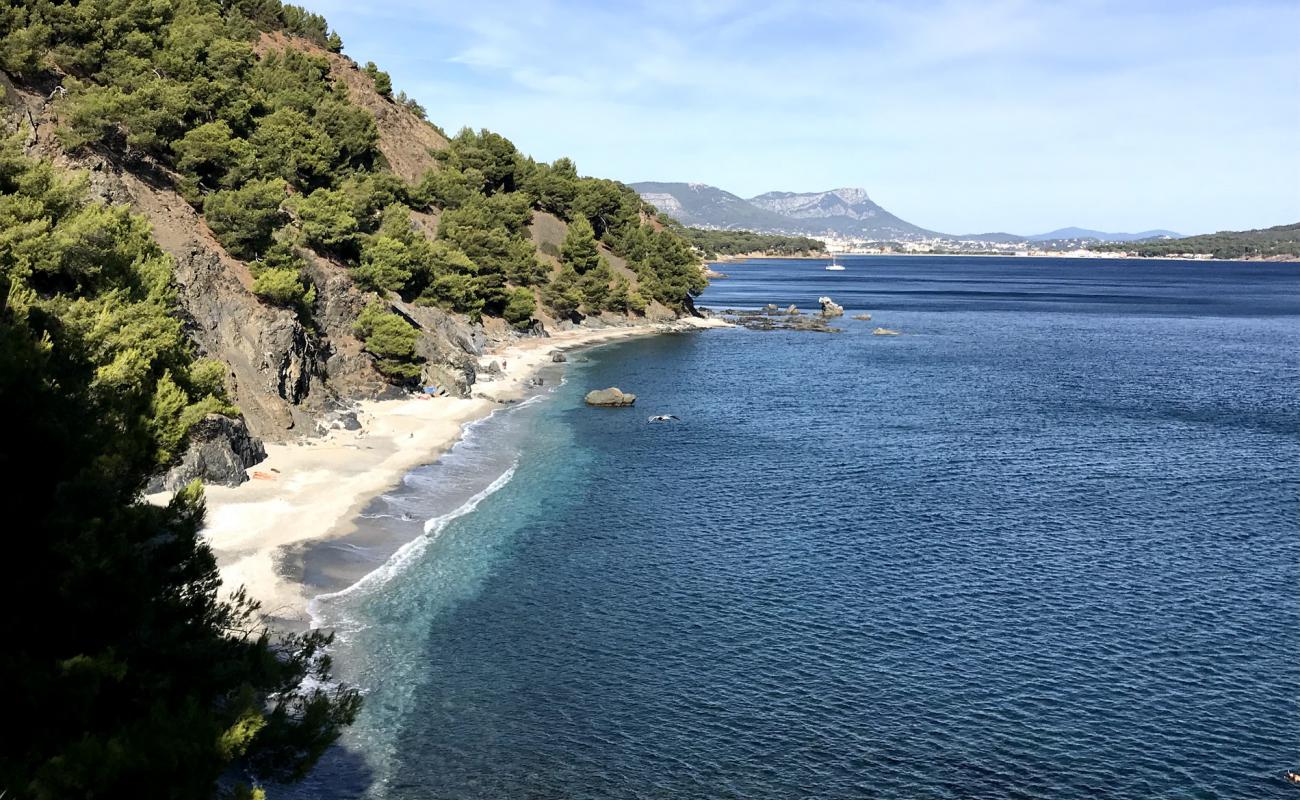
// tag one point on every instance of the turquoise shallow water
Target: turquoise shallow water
(1044, 545)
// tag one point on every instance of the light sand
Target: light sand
(312, 490)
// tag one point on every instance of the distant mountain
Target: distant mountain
(699, 205)
(843, 212)
(1102, 236)
(849, 212)
(846, 213)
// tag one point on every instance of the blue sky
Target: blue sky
(957, 116)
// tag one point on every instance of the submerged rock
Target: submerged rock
(863, 317)
(830, 308)
(885, 332)
(612, 397)
(764, 320)
(220, 451)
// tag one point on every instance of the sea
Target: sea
(1043, 544)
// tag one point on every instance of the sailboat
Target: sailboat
(835, 266)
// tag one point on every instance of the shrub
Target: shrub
(244, 219)
(520, 308)
(391, 340)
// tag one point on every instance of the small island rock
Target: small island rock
(612, 397)
(830, 308)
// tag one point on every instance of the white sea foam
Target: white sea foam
(409, 552)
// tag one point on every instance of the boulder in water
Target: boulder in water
(613, 397)
(558, 357)
(830, 308)
(885, 332)
(863, 317)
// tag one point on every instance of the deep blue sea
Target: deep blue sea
(1045, 544)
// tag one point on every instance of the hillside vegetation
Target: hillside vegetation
(730, 243)
(1280, 241)
(295, 227)
(276, 155)
(123, 669)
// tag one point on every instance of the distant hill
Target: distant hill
(1279, 242)
(843, 212)
(1102, 236)
(996, 238)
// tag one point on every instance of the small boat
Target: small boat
(834, 266)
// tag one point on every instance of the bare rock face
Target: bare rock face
(830, 308)
(612, 397)
(276, 364)
(220, 451)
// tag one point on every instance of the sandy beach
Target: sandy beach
(312, 490)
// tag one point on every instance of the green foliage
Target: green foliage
(327, 221)
(243, 219)
(279, 278)
(520, 308)
(579, 249)
(383, 82)
(490, 232)
(595, 287)
(554, 188)
(211, 156)
(714, 243)
(1280, 241)
(611, 208)
(411, 105)
(491, 159)
(564, 295)
(281, 287)
(290, 146)
(391, 340)
(125, 673)
(207, 376)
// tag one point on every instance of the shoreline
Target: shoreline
(311, 491)
(1065, 254)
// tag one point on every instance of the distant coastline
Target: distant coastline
(730, 259)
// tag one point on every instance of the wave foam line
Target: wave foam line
(407, 553)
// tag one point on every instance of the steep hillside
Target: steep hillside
(329, 243)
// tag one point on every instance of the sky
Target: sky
(962, 117)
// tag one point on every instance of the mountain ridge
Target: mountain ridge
(846, 211)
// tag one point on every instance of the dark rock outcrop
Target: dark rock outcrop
(612, 397)
(764, 320)
(220, 451)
